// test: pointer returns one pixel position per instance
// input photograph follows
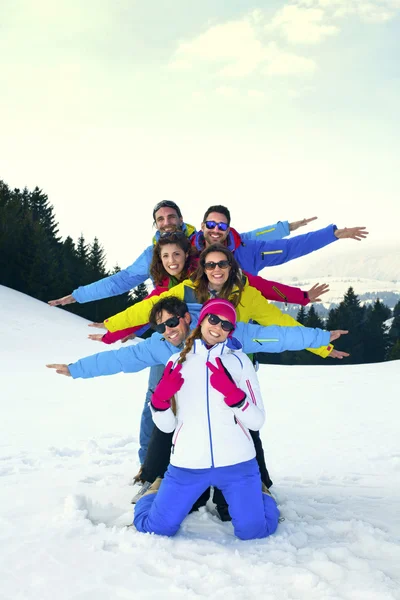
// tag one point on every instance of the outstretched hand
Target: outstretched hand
(316, 291)
(97, 325)
(337, 333)
(338, 354)
(296, 224)
(96, 337)
(353, 233)
(62, 301)
(60, 369)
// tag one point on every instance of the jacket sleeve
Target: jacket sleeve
(114, 336)
(268, 314)
(269, 254)
(131, 359)
(119, 283)
(271, 290)
(257, 338)
(165, 420)
(138, 314)
(251, 414)
(268, 233)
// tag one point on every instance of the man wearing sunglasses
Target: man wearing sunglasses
(254, 253)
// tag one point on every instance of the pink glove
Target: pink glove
(170, 383)
(221, 381)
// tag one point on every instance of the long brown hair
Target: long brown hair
(195, 335)
(235, 277)
(157, 270)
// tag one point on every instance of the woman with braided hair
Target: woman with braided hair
(216, 400)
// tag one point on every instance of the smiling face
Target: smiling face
(213, 334)
(215, 235)
(175, 335)
(173, 259)
(166, 219)
(217, 277)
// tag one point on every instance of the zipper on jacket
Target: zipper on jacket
(242, 428)
(208, 414)
(271, 252)
(281, 294)
(175, 439)
(259, 341)
(265, 231)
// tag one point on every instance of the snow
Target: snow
(68, 450)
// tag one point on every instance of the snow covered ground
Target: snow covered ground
(69, 448)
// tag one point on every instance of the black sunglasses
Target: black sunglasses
(222, 264)
(225, 325)
(214, 224)
(167, 234)
(171, 322)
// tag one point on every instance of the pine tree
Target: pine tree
(313, 319)
(301, 315)
(394, 353)
(42, 211)
(376, 338)
(97, 260)
(349, 315)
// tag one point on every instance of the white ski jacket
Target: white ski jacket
(208, 433)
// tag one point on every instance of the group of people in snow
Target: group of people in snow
(203, 411)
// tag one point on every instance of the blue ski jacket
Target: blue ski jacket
(253, 255)
(157, 351)
(139, 271)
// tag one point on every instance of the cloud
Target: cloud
(373, 11)
(279, 62)
(301, 24)
(238, 49)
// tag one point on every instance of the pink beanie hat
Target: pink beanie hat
(218, 306)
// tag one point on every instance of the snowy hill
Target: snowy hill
(347, 258)
(69, 448)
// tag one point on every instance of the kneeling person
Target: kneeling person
(217, 401)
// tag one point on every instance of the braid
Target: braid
(195, 335)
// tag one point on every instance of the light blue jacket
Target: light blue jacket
(139, 271)
(156, 350)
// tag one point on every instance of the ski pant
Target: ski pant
(254, 514)
(146, 421)
(159, 450)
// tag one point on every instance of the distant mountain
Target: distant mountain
(372, 270)
(345, 258)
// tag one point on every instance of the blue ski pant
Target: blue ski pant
(146, 421)
(254, 514)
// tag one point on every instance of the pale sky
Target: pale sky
(279, 110)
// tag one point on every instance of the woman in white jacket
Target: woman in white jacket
(217, 401)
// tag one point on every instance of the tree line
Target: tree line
(370, 338)
(36, 261)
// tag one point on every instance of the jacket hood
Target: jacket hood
(233, 240)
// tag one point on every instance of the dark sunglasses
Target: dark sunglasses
(171, 322)
(167, 234)
(225, 325)
(222, 264)
(214, 224)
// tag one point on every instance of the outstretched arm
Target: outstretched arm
(138, 314)
(267, 254)
(116, 284)
(278, 292)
